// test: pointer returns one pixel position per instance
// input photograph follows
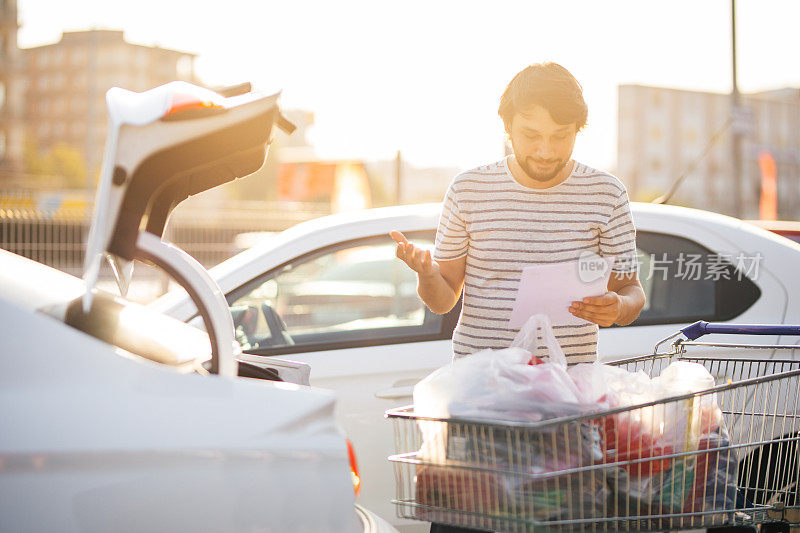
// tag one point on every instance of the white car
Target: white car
(330, 292)
(110, 423)
(116, 418)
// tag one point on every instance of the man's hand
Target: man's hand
(602, 310)
(438, 282)
(418, 259)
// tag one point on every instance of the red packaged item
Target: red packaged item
(535, 361)
(457, 490)
(627, 439)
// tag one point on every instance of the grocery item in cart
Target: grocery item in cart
(660, 429)
(661, 493)
(530, 451)
(464, 492)
(503, 385)
(684, 475)
(629, 435)
(685, 494)
(715, 477)
(497, 385)
(677, 479)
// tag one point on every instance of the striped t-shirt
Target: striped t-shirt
(503, 226)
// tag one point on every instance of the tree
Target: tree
(68, 162)
(60, 166)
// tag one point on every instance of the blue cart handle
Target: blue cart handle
(700, 328)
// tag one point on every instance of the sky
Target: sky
(425, 77)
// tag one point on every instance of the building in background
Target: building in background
(12, 132)
(358, 184)
(303, 176)
(67, 82)
(663, 132)
(412, 185)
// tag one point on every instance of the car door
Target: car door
(689, 274)
(351, 311)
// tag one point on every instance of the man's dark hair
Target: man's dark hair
(550, 86)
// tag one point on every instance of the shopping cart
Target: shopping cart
(602, 471)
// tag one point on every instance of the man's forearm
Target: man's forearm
(437, 294)
(438, 282)
(632, 300)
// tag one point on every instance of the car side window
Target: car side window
(349, 295)
(685, 282)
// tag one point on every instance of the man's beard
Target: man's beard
(542, 177)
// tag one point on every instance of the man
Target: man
(535, 207)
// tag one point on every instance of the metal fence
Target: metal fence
(59, 243)
(56, 235)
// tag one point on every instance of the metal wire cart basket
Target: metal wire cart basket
(737, 465)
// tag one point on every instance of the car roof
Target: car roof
(424, 217)
(331, 229)
(362, 221)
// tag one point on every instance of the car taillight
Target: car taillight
(187, 106)
(354, 467)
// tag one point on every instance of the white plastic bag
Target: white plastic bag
(501, 385)
(686, 420)
(612, 385)
(674, 426)
(704, 480)
(528, 339)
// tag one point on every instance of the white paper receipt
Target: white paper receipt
(550, 289)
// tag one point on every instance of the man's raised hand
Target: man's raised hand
(417, 259)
